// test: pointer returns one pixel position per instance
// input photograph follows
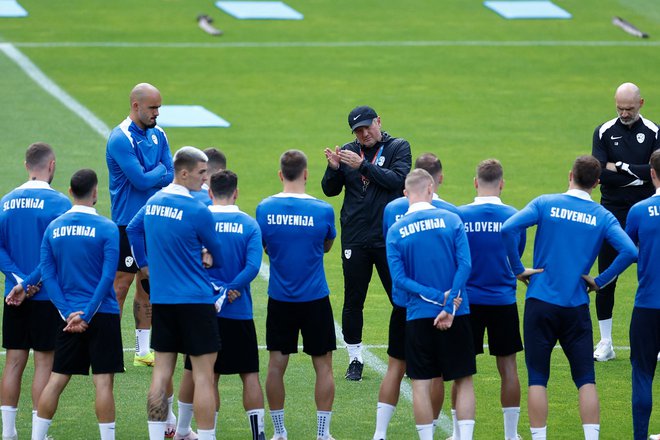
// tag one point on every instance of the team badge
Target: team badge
(347, 254)
(640, 137)
(381, 161)
(154, 139)
(128, 261)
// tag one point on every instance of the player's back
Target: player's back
(643, 226)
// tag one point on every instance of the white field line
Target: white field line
(53, 89)
(304, 44)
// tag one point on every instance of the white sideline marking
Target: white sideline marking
(53, 89)
(285, 44)
(372, 361)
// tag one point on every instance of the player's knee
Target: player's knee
(586, 379)
(537, 379)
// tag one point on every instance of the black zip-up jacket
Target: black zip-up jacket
(362, 212)
(615, 142)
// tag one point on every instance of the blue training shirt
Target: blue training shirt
(393, 212)
(491, 281)
(571, 229)
(176, 226)
(26, 212)
(139, 164)
(241, 256)
(294, 228)
(79, 256)
(428, 254)
(643, 227)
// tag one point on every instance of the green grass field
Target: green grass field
(450, 76)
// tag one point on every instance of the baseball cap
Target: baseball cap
(361, 117)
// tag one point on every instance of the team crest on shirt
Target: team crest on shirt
(128, 261)
(640, 137)
(154, 139)
(347, 254)
(381, 161)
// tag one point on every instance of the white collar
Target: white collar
(224, 208)
(174, 188)
(580, 194)
(419, 206)
(493, 200)
(294, 195)
(205, 187)
(657, 192)
(35, 184)
(83, 209)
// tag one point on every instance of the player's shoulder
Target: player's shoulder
(643, 205)
(605, 126)
(649, 124)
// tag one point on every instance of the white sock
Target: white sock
(40, 428)
(34, 415)
(9, 420)
(215, 421)
(456, 435)
(278, 422)
(511, 416)
(142, 338)
(107, 431)
(256, 419)
(605, 329)
(355, 352)
(384, 412)
(538, 433)
(323, 424)
(591, 432)
(465, 429)
(156, 430)
(425, 432)
(171, 418)
(206, 434)
(185, 418)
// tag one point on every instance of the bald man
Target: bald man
(623, 146)
(139, 163)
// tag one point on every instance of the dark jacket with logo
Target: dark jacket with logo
(614, 142)
(364, 201)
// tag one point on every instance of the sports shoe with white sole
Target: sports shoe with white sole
(654, 437)
(190, 436)
(604, 351)
(354, 371)
(148, 360)
(279, 438)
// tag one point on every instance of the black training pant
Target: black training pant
(605, 296)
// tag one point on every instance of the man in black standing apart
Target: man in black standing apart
(373, 170)
(623, 146)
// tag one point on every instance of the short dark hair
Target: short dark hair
(490, 171)
(224, 183)
(187, 158)
(655, 162)
(83, 182)
(586, 171)
(217, 159)
(430, 163)
(292, 164)
(38, 155)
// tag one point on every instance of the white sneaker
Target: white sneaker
(604, 351)
(654, 437)
(658, 357)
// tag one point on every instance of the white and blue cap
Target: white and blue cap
(361, 117)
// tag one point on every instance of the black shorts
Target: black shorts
(126, 261)
(396, 343)
(503, 325)
(239, 353)
(32, 325)
(99, 347)
(311, 318)
(439, 353)
(543, 325)
(184, 328)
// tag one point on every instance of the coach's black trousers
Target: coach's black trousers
(358, 264)
(607, 254)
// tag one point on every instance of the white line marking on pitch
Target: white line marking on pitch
(303, 44)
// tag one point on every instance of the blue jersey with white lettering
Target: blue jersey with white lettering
(643, 227)
(26, 212)
(79, 255)
(294, 228)
(241, 254)
(176, 226)
(139, 164)
(393, 212)
(428, 255)
(203, 195)
(491, 281)
(570, 231)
